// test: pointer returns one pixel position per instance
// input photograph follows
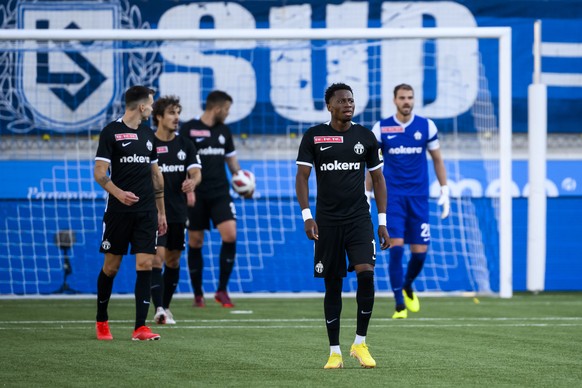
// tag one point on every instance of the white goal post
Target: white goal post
(501, 34)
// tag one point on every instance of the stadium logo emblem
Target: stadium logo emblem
(417, 135)
(319, 267)
(106, 245)
(359, 149)
(181, 155)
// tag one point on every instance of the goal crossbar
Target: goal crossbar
(502, 34)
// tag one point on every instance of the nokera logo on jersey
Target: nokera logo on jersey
(135, 159)
(172, 168)
(340, 166)
(405, 150)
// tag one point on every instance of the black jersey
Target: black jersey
(213, 145)
(130, 154)
(340, 160)
(175, 158)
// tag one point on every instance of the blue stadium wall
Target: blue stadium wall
(27, 212)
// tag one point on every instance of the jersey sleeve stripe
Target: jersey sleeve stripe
(193, 165)
(304, 164)
(376, 167)
(154, 161)
(103, 159)
(231, 154)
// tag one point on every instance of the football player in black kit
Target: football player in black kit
(215, 146)
(340, 151)
(136, 188)
(180, 164)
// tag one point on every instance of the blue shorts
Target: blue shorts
(407, 217)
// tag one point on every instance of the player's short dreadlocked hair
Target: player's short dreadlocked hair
(161, 104)
(334, 88)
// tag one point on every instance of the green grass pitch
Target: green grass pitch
(526, 341)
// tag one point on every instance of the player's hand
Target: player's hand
(188, 186)
(311, 229)
(162, 224)
(384, 237)
(128, 198)
(190, 198)
(445, 201)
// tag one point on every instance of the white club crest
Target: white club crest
(106, 245)
(319, 267)
(221, 139)
(181, 155)
(417, 135)
(359, 148)
(149, 145)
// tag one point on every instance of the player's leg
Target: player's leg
(171, 278)
(361, 251)
(224, 216)
(396, 219)
(110, 267)
(114, 244)
(198, 221)
(143, 245)
(156, 288)
(418, 235)
(329, 263)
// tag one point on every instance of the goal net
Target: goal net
(60, 87)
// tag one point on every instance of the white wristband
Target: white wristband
(382, 219)
(306, 214)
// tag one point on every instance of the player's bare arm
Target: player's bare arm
(189, 185)
(102, 178)
(381, 195)
(441, 173)
(302, 192)
(158, 181)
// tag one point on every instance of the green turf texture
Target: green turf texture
(526, 341)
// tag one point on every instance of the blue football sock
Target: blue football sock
(395, 272)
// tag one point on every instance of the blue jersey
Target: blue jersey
(404, 148)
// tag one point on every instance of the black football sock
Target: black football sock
(171, 277)
(227, 255)
(104, 287)
(365, 301)
(332, 307)
(195, 265)
(142, 297)
(157, 287)
(414, 267)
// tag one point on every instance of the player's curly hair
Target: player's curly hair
(161, 104)
(334, 88)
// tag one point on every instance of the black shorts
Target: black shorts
(173, 240)
(355, 239)
(121, 229)
(217, 209)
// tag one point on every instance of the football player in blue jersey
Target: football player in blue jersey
(404, 139)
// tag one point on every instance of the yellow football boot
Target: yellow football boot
(335, 362)
(363, 355)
